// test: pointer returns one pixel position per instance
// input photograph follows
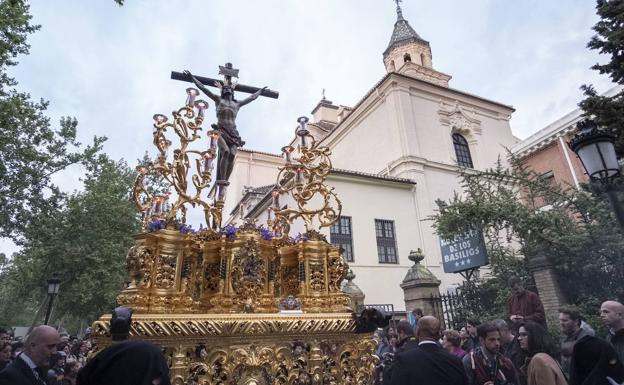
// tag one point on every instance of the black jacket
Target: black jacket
(616, 339)
(428, 364)
(19, 373)
(405, 345)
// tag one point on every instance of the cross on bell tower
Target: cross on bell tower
(409, 54)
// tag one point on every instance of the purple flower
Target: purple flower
(265, 233)
(302, 237)
(156, 224)
(229, 231)
(186, 229)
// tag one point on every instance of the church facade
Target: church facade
(397, 151)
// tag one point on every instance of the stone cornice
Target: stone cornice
(392, 79)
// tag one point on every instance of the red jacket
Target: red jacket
(528, 305)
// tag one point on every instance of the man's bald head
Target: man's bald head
(428, 328)
(41, 343)
(612, 314)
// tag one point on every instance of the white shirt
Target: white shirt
(427, 342)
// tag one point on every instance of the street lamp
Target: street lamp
(54, 284)
(595, 149)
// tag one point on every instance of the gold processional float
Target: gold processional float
(241, 305)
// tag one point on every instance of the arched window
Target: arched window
(462, 151)
(407, 58)
(422, 59)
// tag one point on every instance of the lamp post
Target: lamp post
(54, 284)
(595, 149)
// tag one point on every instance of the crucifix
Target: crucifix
(226, 108)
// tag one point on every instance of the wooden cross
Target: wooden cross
(228, 72)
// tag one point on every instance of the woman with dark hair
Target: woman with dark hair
(593, 362)
(126, 363)
(5, 353)
(540, 368)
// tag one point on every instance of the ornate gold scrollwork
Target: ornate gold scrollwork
(187, 125)
(248, 275)
(304, 179)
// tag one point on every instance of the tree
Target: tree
(31, 151)
(609, 40)
(523, 215)
(85, 242)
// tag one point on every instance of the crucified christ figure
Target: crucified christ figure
(227, 108)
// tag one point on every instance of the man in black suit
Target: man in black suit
(30, 366)
(428, 364)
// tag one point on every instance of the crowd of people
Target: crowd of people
(45, 357)
(516, 351)
(63, 360)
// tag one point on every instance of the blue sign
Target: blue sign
(464, 252)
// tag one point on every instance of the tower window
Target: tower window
(422, 59)
(462, 151)
(407, 58)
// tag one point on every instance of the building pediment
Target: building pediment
(459, 118)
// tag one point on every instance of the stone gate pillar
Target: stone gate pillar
(547, 285)
(419, 285)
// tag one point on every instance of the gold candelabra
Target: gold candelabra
(304, 179)
(187, 125)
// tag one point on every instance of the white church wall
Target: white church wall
(250, 169)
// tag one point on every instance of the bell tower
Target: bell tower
(409, 54)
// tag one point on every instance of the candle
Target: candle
(302, 131)
(299, 176)
(270, 213)
(287, 151)
(214, 136)
(201, 107)
(241, 211)
(160, 119)
(192, 94)
(276, 196)
(208, 158)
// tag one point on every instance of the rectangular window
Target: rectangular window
(386, 241)
(340, 234)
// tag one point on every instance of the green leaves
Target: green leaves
(85, 241)
(523, 214)
(609, 40)
(31, 151)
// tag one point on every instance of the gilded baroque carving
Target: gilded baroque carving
(139, 262)
(248, 275)
(166, 270)
(337, 269)
(211, 278)
(317, 278)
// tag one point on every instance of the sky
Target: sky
(109, 66)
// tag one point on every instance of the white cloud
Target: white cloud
(109, 66)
